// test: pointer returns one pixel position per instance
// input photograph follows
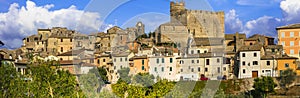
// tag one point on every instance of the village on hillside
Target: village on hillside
(192, 46)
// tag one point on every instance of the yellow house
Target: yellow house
(140, 64)
(102, 59)
(286, 62)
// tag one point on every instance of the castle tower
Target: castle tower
(178, 12)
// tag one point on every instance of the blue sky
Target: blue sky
(21, 18)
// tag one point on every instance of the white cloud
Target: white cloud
(291, 10)
(263, 25)
(257, 2)
(23, 21)
(232, 22)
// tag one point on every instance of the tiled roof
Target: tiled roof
(251, 48)
(291, 26)
(273, 47)
(71, 53)
(231, 36)
(69, 62)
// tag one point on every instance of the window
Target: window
(171, 60)
(199, 69)
(286, 65)
(120, 59)
(157, 61)
(61, 49)
(283, 43)
(263, 71)
(282, 34)
(291, 43)
(181, 62)
(219, 70)
(61, 40)
(255, 54)
(292, 51)
(218, 60)
(193, 61)
(206, 69)
(71, 40)
(155, 69)
(291, 34)
(268, 62)
(198, 51)
(143, 67)
(170, 68)
(224, 68)
(103, 60)
(273, 50)
(125, 59)
(98, 61)
(162, 69)
(143, 62)
(244, 71)
(207, 61)
(243, 63)
(115, 60)
(197, 61)
(255, 63)
(181, 70)
(205, 51)
(192, 52)
(243, 55)
(192, 70)
(162, 60)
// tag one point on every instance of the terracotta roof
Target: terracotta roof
(69, 62)
(203, 55)
(257, 36)
(232, 36)
(267, 57)
(139, 57)
(286, 57)
(291, 26)
(273, 47)
(251, 48)
(124, 54)
(208, 41)
(71, 53)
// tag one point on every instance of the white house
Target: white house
(163, 67)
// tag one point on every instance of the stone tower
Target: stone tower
(178, 12)
(140, 28)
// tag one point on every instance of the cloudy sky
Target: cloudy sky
(21, 18)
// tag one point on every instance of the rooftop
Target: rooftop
(291, 26)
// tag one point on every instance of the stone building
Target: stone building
(116, 38)
(199, 23)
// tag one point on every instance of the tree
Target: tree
(287, 77)
(47, 81)
(89, 84)
(161, 88)
(124, 75)
(144, 79)
(264, 85)
(120, 88)
(11, 82)
(100, 72)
